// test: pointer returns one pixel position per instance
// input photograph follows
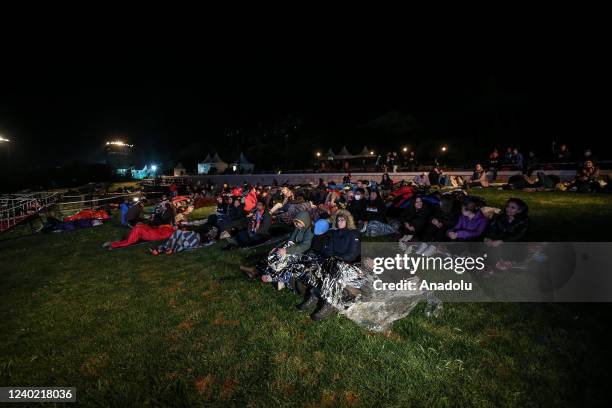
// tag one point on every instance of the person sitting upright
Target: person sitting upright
(509, 226)
(258, 228)
(134, 214)
(586, 178)
(479, 177)
(414, 218)
(386, 183)
(472, 223)
(445, 216)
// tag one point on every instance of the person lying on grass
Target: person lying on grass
(280, 260)
(186, 238)
(142, 232)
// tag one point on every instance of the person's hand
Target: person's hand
(452, 235)
(435, 222)
(497, 243)
(409, 227)
(282, 251)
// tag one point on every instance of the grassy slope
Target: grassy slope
(126, 329)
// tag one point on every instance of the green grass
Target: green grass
(128, 329)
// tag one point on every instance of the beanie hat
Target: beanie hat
(321, 227)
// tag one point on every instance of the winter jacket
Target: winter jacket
(319, 243)
(344, 244)
(357, 209)
(264, 224)
(417, 218)
(375, 211)
(301, 237)
(250, 200)
(124, 207)
(471, 229)
(502, 229)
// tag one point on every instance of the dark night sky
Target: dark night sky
(57, 108)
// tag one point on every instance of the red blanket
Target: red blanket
(144, 232)
(88, 215)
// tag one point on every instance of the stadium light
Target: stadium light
(3, 139)
(153, 167)
(444, 148)
(372, 153)
(405, 149)
(318, 154)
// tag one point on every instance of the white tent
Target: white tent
(219, 164)
(210, 162)
(329, 155)
(244, 164)
(179, 170)
(364, 152)
(344, 154)
(204, 165)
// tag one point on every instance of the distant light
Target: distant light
(135, 198)
(119, 143)
(444, 148)
(2, 139)
(405, 149)
(372, 153)
(318, 154)
(153, 167)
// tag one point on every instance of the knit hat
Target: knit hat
(321, 227)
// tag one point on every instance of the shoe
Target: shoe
(280, 285)
(224, 235)
(301, 288)
(107, 244)
(308, 302)
(251, 271)
(323, 312)
(153, 251)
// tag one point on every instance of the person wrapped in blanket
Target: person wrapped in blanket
(142, 232)
(285, 262)
(336, 282)
(189, 237)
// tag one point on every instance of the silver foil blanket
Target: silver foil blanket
(340, 283)
(297, 266)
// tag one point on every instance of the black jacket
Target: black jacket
(502, 229)
(319, 243)
(417, 218)
(344, 244)
(375, 211)
(357, 209)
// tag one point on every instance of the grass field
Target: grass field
(128, 329)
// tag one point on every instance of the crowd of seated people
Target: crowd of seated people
(320, 257)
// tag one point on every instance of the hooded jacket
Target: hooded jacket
(301, 237)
